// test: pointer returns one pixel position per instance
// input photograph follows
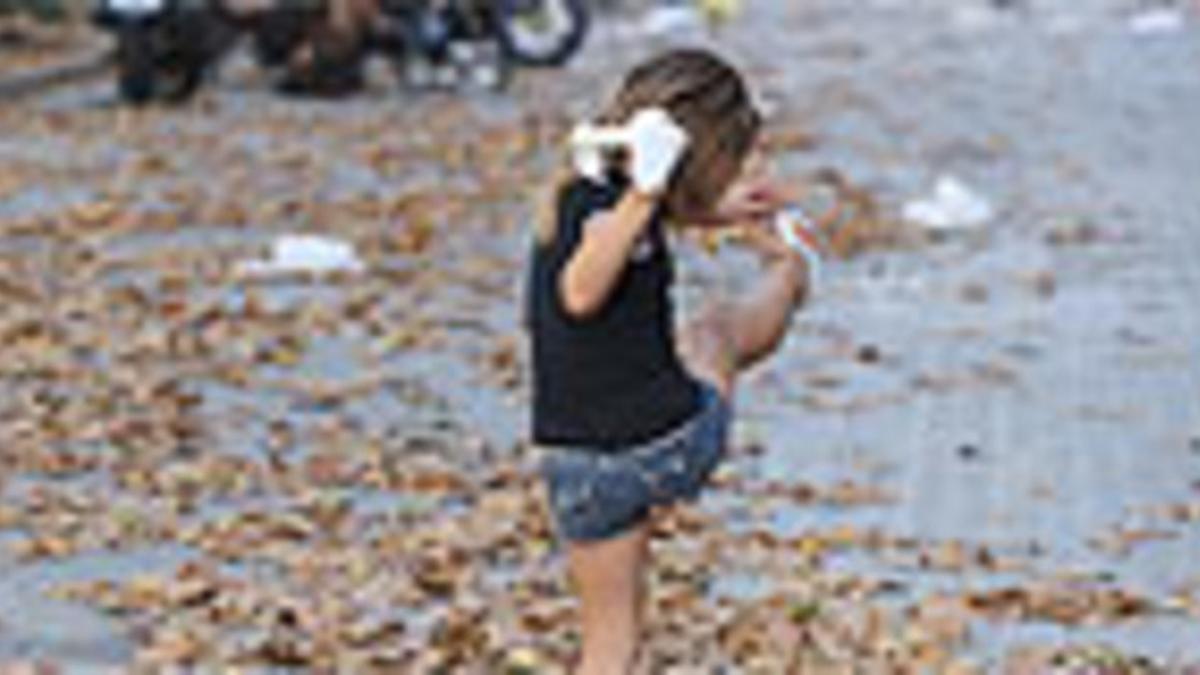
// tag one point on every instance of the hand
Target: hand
(788, 235)
(761, 237)
(656, 146)
(748, 200)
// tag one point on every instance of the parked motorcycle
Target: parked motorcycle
(165, 48)
(476, 43)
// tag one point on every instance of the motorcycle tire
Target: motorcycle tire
(559, 49)
(136, 71)
(149, 73)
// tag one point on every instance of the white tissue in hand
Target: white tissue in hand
(656, 144)
(589, 158)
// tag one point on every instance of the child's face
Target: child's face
(749, 193)
(718, 161)
(755, 165)
(749, 169)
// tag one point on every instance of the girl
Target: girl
(630, 416)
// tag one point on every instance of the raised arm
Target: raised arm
(656, 144)
(608, 238)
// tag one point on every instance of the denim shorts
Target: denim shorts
(597, 495)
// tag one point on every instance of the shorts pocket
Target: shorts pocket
(679, 469)
(568, 485)
(667, 472)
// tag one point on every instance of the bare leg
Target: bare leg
(729, 337)
(761, 320)
(724, 340)
(610, 578)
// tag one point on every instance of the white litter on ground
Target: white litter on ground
(306, 253)
(971, 18)
(952, 206)
(1157, 22)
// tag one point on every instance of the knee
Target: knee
(715, 327)
(708, 347)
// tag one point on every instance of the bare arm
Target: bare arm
(758, 199)
(592, 272)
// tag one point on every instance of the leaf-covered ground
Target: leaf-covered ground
(977, 453)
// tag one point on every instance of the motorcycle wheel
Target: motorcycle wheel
(154, 66)
(542, 32)
(136, 71)
(196, 43)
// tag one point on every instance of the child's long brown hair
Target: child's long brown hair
(707, 97)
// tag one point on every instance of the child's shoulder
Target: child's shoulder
(581, 196)
(574, 202)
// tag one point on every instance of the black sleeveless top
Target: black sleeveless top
(611, 379)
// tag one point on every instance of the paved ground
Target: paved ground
(1095, 411)
(1008, 417)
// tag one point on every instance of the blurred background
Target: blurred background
(263, 392)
